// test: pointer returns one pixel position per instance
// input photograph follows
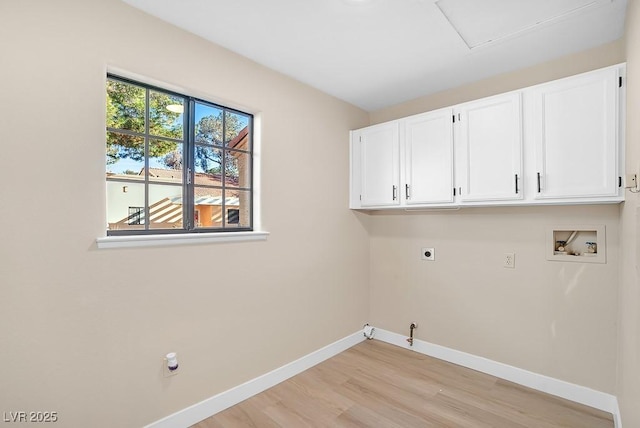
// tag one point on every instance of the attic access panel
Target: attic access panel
(480, 22)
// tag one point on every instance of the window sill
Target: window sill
(182, 239)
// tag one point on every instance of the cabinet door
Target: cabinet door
(428, 158)
(355, 170)
(575, 133)
(489, 139)
(379, 151)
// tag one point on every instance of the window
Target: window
(233, 216)
(175, 164)
(135, 215)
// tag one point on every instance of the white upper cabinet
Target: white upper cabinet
(379, 164)
(575, 131)
(556, 143)
(427, 143)
(489, 145)
(405, 162)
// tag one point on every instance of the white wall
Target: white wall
(83, 331)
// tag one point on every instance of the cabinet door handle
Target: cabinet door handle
(395, 190)
(406, 191)
(538, 182)
(516, 184)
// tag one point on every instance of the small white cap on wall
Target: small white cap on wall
(172, 361)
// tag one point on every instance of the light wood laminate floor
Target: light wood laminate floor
(374, 384)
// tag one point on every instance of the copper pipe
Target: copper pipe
(412, 327)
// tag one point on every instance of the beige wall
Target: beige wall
(549, 317)
(554, 318)
(83, 331)
(609, 54)
(629, 322)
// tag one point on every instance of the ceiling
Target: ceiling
(377, 53)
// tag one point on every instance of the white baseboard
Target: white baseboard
(209, 407)
(579, 394)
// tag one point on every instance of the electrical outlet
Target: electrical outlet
(428, 254)
(509, 260)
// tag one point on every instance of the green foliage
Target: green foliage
(173, 160)
(126, 110)
(162, 121)
(208, 132)
(125, 106)
(122, 146)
